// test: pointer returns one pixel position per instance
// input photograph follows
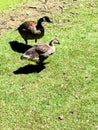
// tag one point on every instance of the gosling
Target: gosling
(40, 51)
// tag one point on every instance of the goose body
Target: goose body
(33, 30)
(40, 51)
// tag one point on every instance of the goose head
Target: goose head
(54, 41)
(45, 19)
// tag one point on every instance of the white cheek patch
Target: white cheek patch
(44, 19)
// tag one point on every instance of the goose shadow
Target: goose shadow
(30, 69)
(19, 47)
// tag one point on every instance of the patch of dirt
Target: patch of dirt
(12, 19)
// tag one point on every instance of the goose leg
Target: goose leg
(35, 40)
(26, 41)
(39, 63)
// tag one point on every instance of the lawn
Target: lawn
(9, 4)
(63, 95)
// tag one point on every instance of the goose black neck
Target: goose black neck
(51, 43)
(40, 21)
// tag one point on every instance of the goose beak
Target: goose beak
(58, 42)
(50, 21)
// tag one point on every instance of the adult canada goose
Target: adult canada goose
(40, 51)
(32, 30)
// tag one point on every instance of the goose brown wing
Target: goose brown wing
(28, 26)
(32, 53)
(42, 48)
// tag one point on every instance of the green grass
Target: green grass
(68, 87)
(9, 4)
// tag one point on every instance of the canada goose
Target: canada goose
(32, 30)
(40, 51)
